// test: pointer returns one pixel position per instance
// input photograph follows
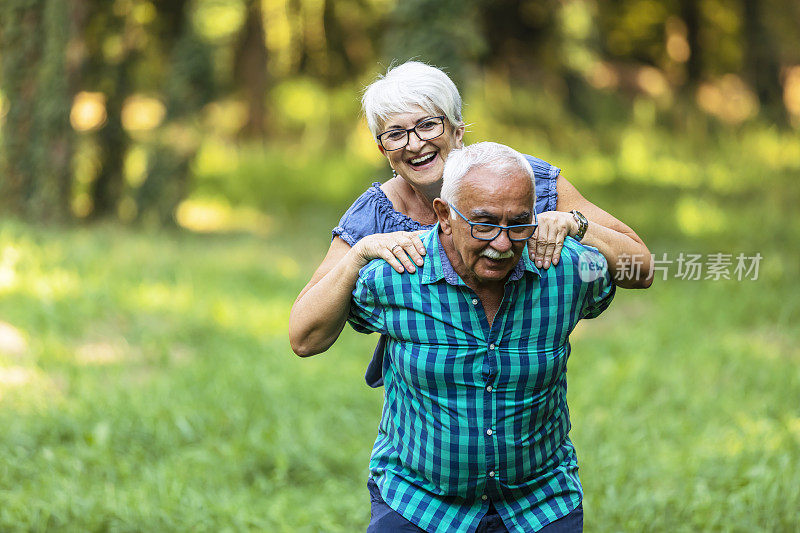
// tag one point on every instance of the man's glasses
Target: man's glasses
(489, 232)
(427, 129)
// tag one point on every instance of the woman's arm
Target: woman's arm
(628, 257)
(320, 311)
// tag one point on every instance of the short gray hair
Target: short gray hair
(408, 85)
(483, 154)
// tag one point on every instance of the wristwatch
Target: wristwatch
(582, 224)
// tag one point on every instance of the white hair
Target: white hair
(483, 154)
(406, 86)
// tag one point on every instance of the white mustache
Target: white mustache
(491, 253)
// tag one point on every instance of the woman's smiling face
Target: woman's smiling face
(421, 163)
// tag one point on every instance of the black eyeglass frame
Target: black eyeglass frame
(408, 133)
(499, 228)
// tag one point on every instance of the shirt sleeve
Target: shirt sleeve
(600, 290)
(366, 312)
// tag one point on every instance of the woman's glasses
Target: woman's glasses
(426, 129)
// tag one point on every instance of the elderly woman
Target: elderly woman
(414, 112)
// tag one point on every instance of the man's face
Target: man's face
(488, 197)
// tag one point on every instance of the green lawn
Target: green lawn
(146, 384)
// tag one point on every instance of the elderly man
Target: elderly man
(474, 432)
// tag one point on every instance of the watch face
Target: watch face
(582, 224)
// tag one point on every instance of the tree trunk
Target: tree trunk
(113, 143)
(762, 66)
(19, 87)
(188, 87)
(37, 137)
(250, 71)
(690, 13)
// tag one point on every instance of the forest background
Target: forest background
(169, 175)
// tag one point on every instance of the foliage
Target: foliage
(285, 182)
(141, 77)
(444, 33)
(187, 90)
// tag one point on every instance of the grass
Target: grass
(146, 384)
(158, 392)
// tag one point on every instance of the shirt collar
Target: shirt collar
(437, 265)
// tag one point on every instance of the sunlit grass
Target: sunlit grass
(206, 216)
(146, 383)
(159, 394)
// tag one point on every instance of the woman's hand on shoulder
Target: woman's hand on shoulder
(544, 247)
(403, 250)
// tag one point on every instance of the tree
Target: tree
(444, 33)
(762, 65)
(37, 137)
(250, 70)
(188, 86)
(690, 14)
(109, 73)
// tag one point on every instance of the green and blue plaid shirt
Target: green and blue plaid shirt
(475, 413)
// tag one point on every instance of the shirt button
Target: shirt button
(491, 474)
(491, 346)
(484, 497)
(474, 301)
(488, 431)
(489, 388)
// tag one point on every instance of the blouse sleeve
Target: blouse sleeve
(546, 175)
(361, 219)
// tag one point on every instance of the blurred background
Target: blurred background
(169, 175)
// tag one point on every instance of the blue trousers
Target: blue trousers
(384, 519)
